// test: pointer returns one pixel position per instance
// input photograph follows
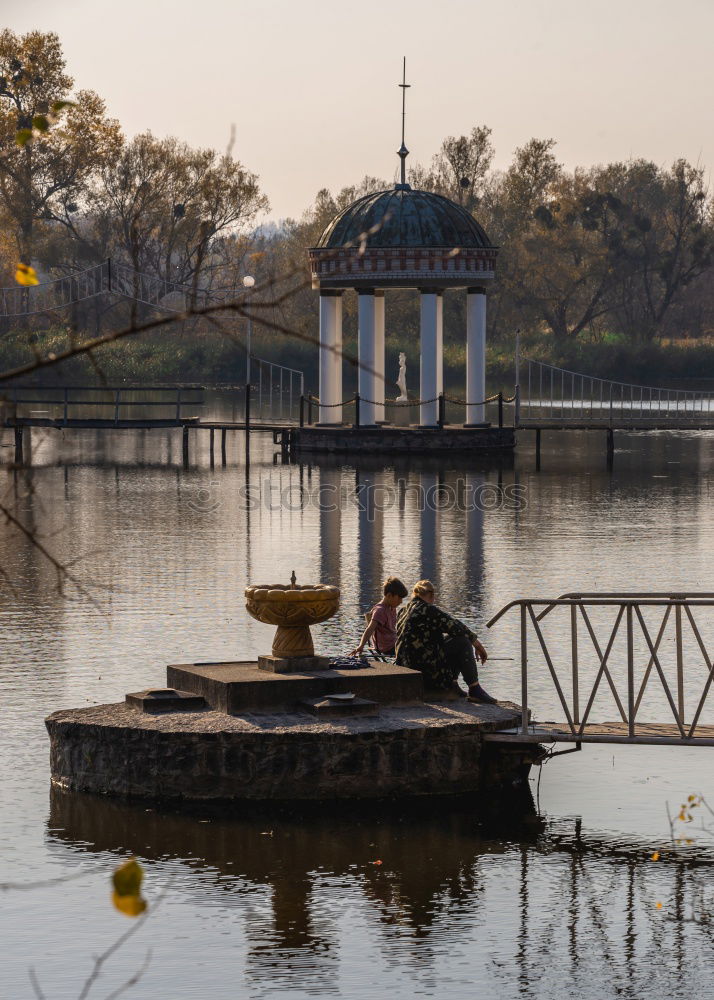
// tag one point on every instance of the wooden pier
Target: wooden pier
(112, 413)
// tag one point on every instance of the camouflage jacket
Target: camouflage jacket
(420, 641)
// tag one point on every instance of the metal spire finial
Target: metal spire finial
(403, 153)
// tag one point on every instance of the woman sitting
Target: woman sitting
(441, 647)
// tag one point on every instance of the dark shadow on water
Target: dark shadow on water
(571, 907)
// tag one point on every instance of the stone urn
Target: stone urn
(293, 608)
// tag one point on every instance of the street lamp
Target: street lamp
(248, 282)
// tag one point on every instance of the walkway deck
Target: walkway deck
(648, 734)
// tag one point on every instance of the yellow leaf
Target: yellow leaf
(133, 905)
(658, 905)
(127, 878)
(26, 275)
(655, 856)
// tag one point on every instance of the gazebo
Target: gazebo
(401, 238)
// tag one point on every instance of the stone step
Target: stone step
(155, 700)
(326, 708)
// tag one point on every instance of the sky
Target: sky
(311, 86)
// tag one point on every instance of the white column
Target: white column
(379, 355)
(330, 357)
(366, 328)
(475, 354)
(429, 367)
(439, 342)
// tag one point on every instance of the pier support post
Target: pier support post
(212, 439)
(223, 446)
(537, 444)
(18, 445)
(185, 446)
(610, 446)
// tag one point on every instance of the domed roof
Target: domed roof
(402, 217)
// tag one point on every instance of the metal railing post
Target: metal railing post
(356, 409)
(630, 674)
(524, 670)
(178, 405)
(65, 408)
(517, 406)
(302, 411)
(680, 662)
(500, 409)
(441, 411)
(574, 656)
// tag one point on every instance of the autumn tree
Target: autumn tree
(661, 239)
(170, 210)
(49, 148)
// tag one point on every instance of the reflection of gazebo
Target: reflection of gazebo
(401, 238)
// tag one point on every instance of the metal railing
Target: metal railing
(56, 294)
(278, 385)
(278, 391)
(560, 395)
(640, 664)
(111, 406)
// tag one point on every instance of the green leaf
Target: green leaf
(40, 123)
(23, 136)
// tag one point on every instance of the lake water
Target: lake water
(562, 905)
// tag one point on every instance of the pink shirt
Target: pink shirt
(385, 635)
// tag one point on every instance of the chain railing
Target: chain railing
(307, 402)
(563, 396)
(626, 645)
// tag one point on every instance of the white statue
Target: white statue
(402, 379)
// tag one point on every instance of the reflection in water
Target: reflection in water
(547, 908)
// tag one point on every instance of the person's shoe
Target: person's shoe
(481, 697)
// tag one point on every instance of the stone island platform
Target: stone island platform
(237, 732)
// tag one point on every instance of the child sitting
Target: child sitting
(383, 623)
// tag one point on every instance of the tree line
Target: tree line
(617, 252)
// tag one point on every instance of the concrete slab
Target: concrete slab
(240, 686)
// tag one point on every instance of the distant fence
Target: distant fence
(551, 393)
(278, 388)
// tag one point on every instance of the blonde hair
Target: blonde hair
(422, 587)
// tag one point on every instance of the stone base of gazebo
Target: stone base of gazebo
(385, 439)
